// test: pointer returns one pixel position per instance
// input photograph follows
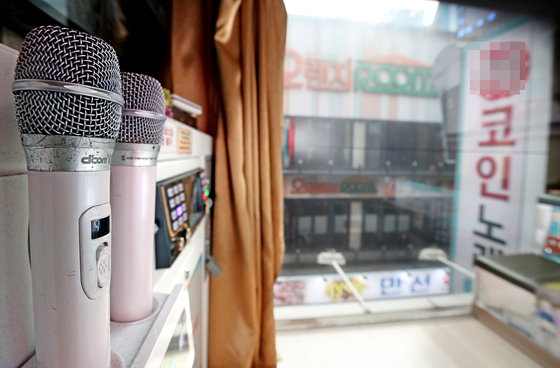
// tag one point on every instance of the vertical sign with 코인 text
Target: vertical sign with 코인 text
(503, 154)
(184, 141)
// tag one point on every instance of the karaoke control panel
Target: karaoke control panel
(179, 208)
(95, 250)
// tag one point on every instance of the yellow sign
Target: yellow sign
(338, 290)
(184, 141)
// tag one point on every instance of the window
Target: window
(400, 136)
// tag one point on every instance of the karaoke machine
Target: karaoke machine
(182, 222)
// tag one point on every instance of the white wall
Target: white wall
(16, 309)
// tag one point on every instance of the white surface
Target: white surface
(446, 343)
(201, 143)
(17, 341)
(127, 338)
(540, 90)
(143, 344)
(154, 347)
(359, 145)
(165, 279)
(497, 292)
(71, 330)
(12, 158)
(174, 167)
(186, 105)
(117, 361)
(133, 198)
(205, 311)
(544, 217)
(171, 164)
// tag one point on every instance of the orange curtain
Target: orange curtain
(248, 237)
(248, 218)
(193, 61)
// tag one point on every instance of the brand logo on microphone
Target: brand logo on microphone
(91, 159)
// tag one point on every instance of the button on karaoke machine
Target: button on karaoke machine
(177, 207)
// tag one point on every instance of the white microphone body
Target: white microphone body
(65, 317)
(68, 100)
(70, 244)
(133, 198)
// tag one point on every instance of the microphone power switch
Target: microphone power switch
(103, 266)
(95, 250)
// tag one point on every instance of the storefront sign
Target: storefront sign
(350, 186)
(352, 69)
(363, 187)
(394, 79)
(293, 290)
(503, 153)
(325, 75)
(388, 75)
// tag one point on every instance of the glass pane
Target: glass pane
(410, 125)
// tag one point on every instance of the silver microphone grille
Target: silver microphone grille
(143, 93)
(60, 54)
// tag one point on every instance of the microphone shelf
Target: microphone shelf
(166, 335)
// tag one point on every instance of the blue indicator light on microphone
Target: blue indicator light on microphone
(461, 33)
(491, 16)
(479, 23)
(468, 29)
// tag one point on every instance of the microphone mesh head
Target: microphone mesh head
(65, 55)
(141, 92)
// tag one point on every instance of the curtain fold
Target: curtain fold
(192, 57)
(248, 218)
(243, 96)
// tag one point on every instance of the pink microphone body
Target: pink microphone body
(133, 197)
(132, 189)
